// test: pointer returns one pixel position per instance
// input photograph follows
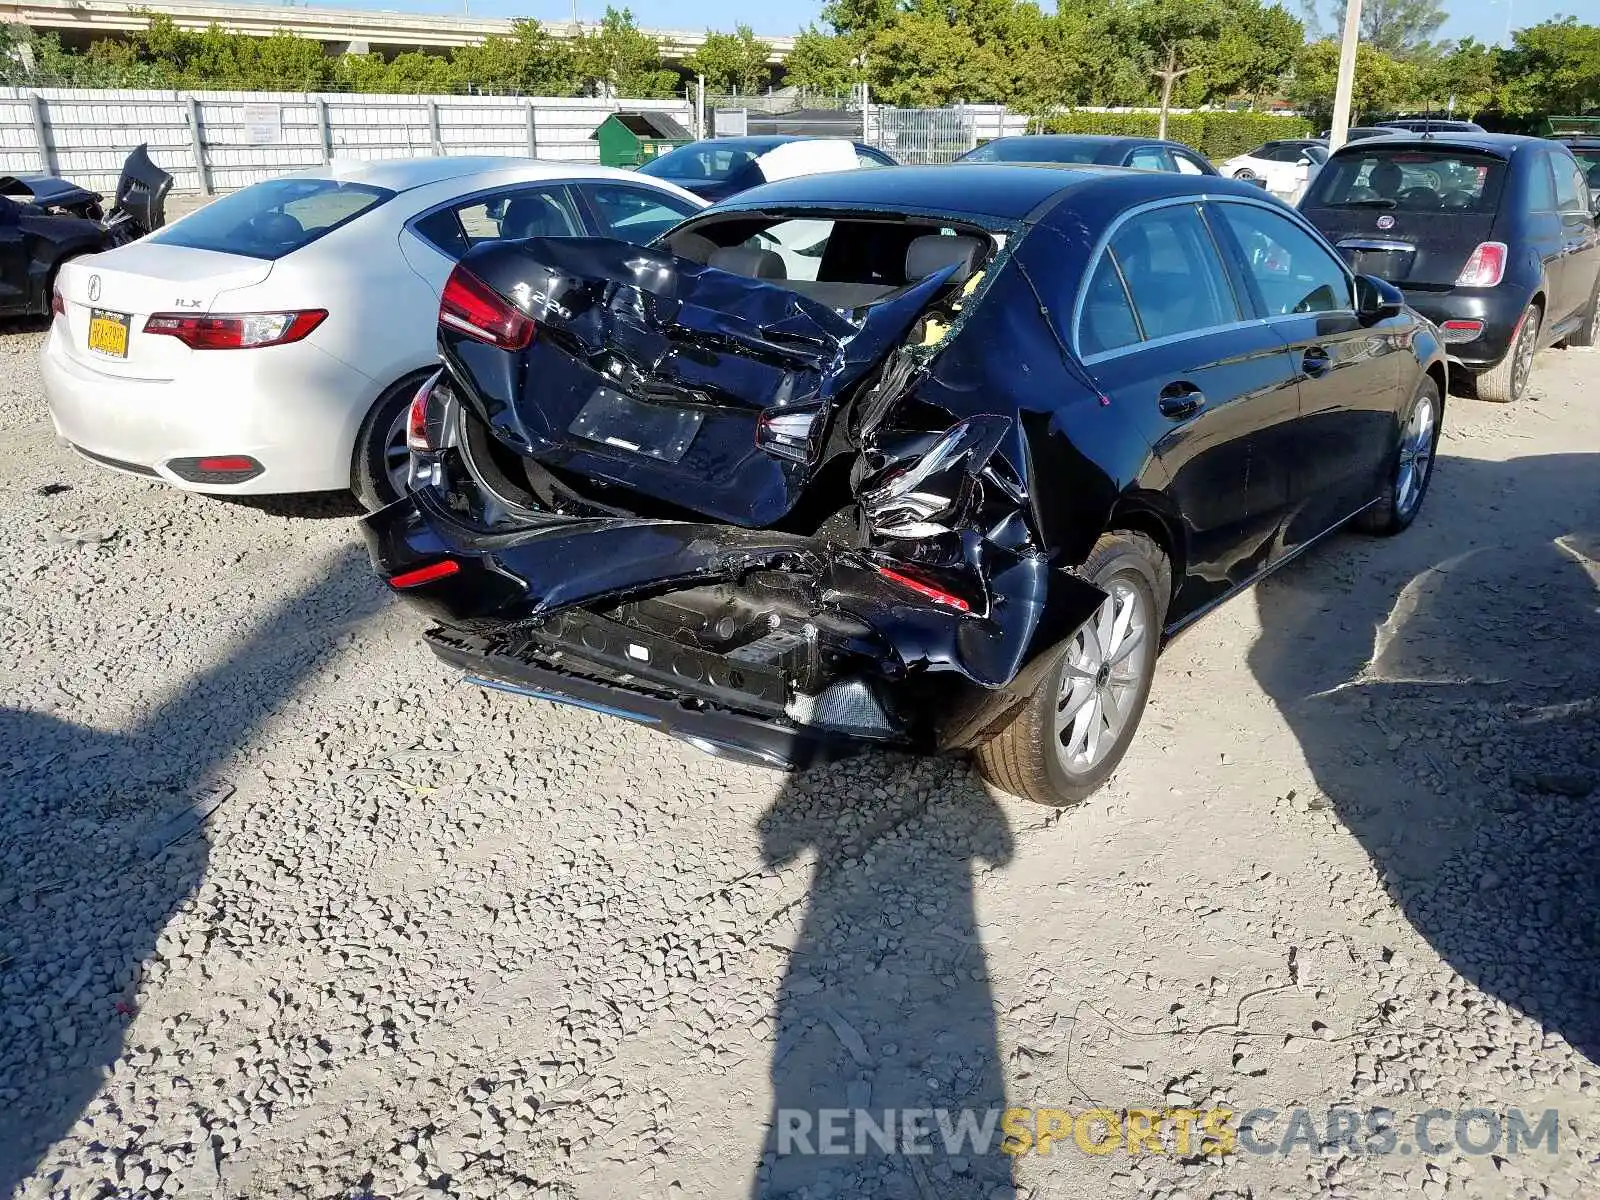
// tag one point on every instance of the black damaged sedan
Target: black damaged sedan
(935, 459)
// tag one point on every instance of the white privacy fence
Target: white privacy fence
(218, 141)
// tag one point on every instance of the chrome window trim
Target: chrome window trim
(1356, 243)
(1104, 241)
(1196, 200)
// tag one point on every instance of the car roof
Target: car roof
(1501, 144)
(755, 143)
(403, 174)
(1071, 139)
(1000, 193)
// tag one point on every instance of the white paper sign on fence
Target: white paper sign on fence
(263, 124)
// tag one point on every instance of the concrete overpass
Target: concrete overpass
(79, 22)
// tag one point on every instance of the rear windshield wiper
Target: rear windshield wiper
(1375, 202)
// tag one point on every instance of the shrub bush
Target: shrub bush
(1217, 135)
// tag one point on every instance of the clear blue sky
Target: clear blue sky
(1482, 19)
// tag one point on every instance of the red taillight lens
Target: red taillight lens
(240, 331)
(58, 306)
(1486, 267)
(472, 307)
(417, 420)
(926, 590)
(427, 574)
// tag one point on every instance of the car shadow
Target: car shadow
(311, 506)
(885, 1007)
(1444, 689)
(104, 832)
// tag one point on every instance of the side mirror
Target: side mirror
(1377, 298)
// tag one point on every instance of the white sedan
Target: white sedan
(271, 341)
(1285, 166)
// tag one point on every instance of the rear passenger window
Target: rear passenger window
(1572, 194)
(1541, 191)
(1291, 271)
(1173, 273)
(1107, 321)
(1150, 158)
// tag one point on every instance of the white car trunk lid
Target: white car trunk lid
(129, 284)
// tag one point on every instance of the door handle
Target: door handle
(1316, 362)
(1180, 400)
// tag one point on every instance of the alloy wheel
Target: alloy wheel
(1416, 457)
(1102, 677)
(397, 455)
(1522, 366)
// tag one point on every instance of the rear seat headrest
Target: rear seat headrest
(934, 251)
(750, 261)
(693, 246)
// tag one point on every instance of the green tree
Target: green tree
(1393, 26)
(1468, 74)
(1553, 67)
(622, 60)
(732, 60)
(824, 63)
(1178, 36)
(1383, 83)
(531, 62)
(1252, 53)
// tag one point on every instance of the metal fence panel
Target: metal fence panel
(247, 136)
(919, 136)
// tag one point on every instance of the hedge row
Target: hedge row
(1217, 135)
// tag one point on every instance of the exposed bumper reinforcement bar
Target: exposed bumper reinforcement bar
(743, 737)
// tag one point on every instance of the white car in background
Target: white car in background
(1285, 167)
(272, 340)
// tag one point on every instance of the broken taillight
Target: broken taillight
(1486, 268)
(794, 433)
(471, 306)
(918, 498)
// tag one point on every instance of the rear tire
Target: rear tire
(1044, 753)
(1244, 173)
(1415, 453)
(375, 456)
(1588, 331)
(1507, 380)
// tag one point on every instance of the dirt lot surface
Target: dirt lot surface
(436, 941)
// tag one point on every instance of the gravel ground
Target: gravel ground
(288, 912)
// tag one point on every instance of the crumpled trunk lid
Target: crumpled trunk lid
(654, 374)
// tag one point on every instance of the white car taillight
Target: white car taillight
(1486, 267)
(239, 331)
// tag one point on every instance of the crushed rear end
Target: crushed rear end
(775, 517)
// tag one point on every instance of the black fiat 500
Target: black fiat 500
(1491, 237)
(872, 459)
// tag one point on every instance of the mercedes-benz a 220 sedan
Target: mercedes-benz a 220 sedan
(950, 488)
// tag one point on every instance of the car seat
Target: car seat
(535, 216)
(749, 261)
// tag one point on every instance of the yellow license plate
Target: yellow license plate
(108, 333)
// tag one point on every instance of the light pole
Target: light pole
(1344, 92)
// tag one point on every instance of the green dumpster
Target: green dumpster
(630, 138)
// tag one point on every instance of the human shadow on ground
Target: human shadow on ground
(885, 1009)
(1444, 686)
(101, 845)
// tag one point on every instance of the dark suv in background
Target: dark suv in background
(1491, 237)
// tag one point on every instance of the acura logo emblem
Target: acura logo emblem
(94, 287)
